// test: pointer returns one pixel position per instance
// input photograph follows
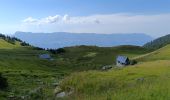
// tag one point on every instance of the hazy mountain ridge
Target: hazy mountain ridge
(63, 39)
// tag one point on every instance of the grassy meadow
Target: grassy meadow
(25, 73)
(147, 80)
(91, 57)
(162, 53)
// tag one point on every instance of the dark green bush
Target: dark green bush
(24, 44)
(38, 48)
(133, 62)
(3, 82)
(57, 51)
(60, 50)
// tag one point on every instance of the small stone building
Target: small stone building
(122, 61)
(45, 56)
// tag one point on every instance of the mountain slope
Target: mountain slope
(158, 43)
(6, 45)
(62, 39)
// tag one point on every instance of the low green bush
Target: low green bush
(133, 62)
(3, 82)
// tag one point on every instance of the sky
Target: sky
(86, 16)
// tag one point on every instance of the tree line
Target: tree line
(13, 40)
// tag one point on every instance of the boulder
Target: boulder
(61, 94)
(107, 67)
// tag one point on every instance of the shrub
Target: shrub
(57, 51)
(60, 50)
(24, 44)
(3, 82)
(53, 51)
(38, 48)
(133, 62)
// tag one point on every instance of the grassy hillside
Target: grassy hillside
(148, 80)
(145, 81)
(92, 57)
(6, 45)
(25, 72)
(158, 43)
(162, 53)
(30, 77)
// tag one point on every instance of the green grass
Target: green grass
(91, 54)
(6, 45)
(162, 53)
(147, 80)
(25, 72)
(82, 58)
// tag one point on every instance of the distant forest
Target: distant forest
(158, 43)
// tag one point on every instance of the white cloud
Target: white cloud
(66, 18)
(97, 21)
(47, 20)
(154, 25)
(50, 19)
(30, 20)
(60, 19)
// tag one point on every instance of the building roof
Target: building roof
(121, 59)
(45, 56)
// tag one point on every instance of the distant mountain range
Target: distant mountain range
(63, 39)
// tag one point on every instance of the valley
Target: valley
(84, 50)
(26, 72)
(79, 69)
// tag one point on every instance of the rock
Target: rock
(61, 94)
(57, 90)
(140, 79)
(71, 92)
(107, 67)
(56, 84)
(23, 97)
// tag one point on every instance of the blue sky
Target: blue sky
(14, 12)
